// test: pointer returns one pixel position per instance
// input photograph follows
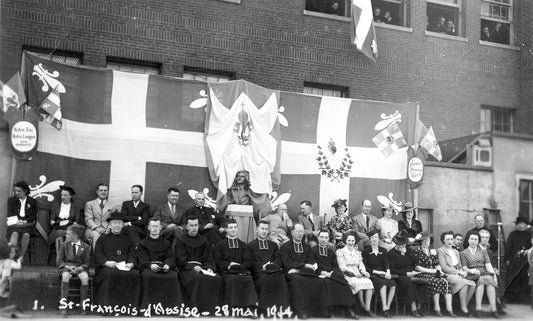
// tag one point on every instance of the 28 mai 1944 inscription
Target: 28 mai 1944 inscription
(182, 311)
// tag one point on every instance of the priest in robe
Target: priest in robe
(117, 282)
(197, 270)
(268, 275)
(340, 297)
(157, 263)
(210, 225)
(307, 292)
(232, 257)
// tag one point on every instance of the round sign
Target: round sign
(415, 169)
(23, 136)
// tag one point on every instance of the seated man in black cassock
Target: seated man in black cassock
(209, 223)
(339, 291)
(308, 293)
(137, 212)
(194, 258)
(269, 278)
(157, 262)
(116, 280)
(232, 257)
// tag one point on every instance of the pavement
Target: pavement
(514, 312)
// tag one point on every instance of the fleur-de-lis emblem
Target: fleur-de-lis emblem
(48, 79)
(276, 200)
(209, 202)
(374, 47)
(43, 190)
(390, 202)
(388, 120)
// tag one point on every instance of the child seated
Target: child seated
(73, 259)
(10, 259)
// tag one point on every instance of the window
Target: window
(496, 21)
(526, 199)
(208, 75)
(72, 58)
(332, 7)
(425, 216)
(325, 90)
(496, 119)
(444, 16)
(136, 66)
(390, 11)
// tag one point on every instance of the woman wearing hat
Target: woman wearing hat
(62, 215)
(340, 223)
(21, 215)
(376, 262)
(403, 265)
(476, 261)
(388, 227)
(427, 262)
(410, 224)
(351, 264)
(450, 262)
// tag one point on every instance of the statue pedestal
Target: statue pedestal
(244, 215)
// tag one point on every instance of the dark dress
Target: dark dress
(517, 289)
(206, 215)
(59, 230)
(436, 284)
(412, 230)
(113, 286)
(158, 287)
(239, 288)
(308, 294)
(379, 262)
(13, 209)
(270, 283)
(338, 290)
(194, 251)
(400, 264)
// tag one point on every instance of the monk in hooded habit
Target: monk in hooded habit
(267, 271)
(233, 260)
(307, 292)
(197, 269)
(117, 281)
(158, 265)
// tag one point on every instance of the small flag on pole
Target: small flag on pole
(390, 140)
(52, 105)
(429, 143)
(13, 93)
(363, 33)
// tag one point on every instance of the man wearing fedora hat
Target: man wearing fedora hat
(116, 281)
(21, 215)
(519, 240)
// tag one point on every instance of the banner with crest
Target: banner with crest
(125, 129)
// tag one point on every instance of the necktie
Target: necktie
(312, 224)
(173, 209)
(367, 222)
(101, 204)
(75, 249)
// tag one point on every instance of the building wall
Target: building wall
(5, 176)
(274, 44)
(456, 195)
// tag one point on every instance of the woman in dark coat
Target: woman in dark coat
(410, 224)
(376, 262)
(21, 216)
(62, 215)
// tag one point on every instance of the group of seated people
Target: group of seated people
(317, 266)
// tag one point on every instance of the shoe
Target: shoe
(371, 314)
(477, 314)
(302, 316)
(351, 313)
(451, 314)
(386, 313)
(495, 315)
(438, 313)
(416, 314)
(465, 314)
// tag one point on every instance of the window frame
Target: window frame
(230, 75)
(491, 110)
(343, 90)
(518, 179)
(346, 16)
(126, 62)
(459, 21)
(510, 21)
(402, 14)
(50, 54)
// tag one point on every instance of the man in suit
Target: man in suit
(96, 213)
(312, 223)
(137, 213)
(363, 223)
(168, 214)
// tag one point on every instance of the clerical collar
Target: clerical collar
(263, 244)
(298, 247)
(322, 250)
(233, 243)
(78, 243)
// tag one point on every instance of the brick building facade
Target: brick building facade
(279, 45)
